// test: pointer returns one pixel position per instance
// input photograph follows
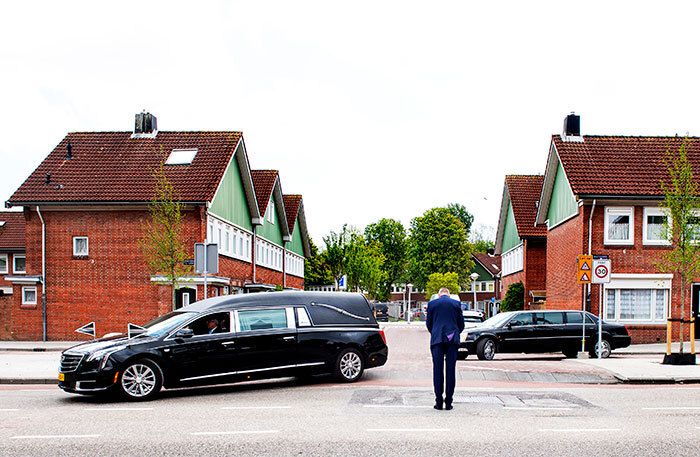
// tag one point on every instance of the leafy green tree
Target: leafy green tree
(316, 268)
(437, 281)
(682, 202)
(162, 245)
(438, 244)
(480, 243)
(336, 245)
(390, 235)
(363, 265)
(515, 298)
(460, 212)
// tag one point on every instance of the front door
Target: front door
(184, 296)
(518, 334)
(696, 308)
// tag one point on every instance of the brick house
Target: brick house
(87, 205)
(12, 261)
(602, 195)
(520, 242)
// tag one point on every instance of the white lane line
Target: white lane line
(9, 409)
(525, 408)
(407, 430)
(235, 432)
(118, 409)
(673, 408)
(235, 408)
(48, 437)
(396, 406)
(579, 430)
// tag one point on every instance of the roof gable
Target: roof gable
(490, 263)
(12, 231)
(294, 205)
(113, 167)
(268, 188)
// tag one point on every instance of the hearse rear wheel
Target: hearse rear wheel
(350, 365)
(140, 381)
(606, 350)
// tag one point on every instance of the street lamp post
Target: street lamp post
(408, 309)
(474, 276)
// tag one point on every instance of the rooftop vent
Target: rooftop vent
(145, 125)
(181, 157)
(69, 151)
(572, 128)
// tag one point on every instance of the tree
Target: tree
(438, 244)
(480, 241)
(316, 269)
(682, 202)
(363, 265)
(390, 236)
(515, 298)
(460, 212)
(336, 245)
(437, 281)
(162, 245)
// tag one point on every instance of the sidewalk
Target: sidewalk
(37, 346)
(656, 348)
(646, 370)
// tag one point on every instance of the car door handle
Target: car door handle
(228, 343)
(288, 338)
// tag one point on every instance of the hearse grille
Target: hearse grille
(70, 362)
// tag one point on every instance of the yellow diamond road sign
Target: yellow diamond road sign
(583, 272)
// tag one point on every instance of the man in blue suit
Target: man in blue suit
(445, 323)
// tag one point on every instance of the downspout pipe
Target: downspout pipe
(253, 253)
(590, 242)
(43, 276)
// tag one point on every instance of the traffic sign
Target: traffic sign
(343, 282)
(87, 329)
(584, 268)
(601, 269)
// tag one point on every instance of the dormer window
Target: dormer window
(268, 214)
(181, 157)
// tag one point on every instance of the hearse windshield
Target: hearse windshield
(166, 323)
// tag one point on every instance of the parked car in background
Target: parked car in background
(381, 311)
(542, 331)
(472, 318)
(255, 336)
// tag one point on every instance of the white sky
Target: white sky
(370, 109)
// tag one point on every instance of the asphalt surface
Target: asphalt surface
(386, 413)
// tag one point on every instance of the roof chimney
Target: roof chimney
(145, 125)
(69, 151)
(572, 125)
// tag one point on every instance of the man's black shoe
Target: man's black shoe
(448, 406)
(438, 406)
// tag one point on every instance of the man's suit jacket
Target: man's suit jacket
(444, 320)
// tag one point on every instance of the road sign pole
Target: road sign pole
(600, 321)
(205, 269)
(583, 318)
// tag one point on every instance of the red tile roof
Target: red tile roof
(619, 165)
(264, 184)
(491, 262)
(291, 206)
(524, 191)
(113, 167)
(12, 231)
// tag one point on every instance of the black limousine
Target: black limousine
(233, 338)
(541, 331)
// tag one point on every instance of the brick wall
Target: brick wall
(564, 243)
(5, 309)
(535, 260)
(514, 278)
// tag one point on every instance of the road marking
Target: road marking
(673, 408)
(9, 409)
(255, 407)
(525, 408)
(407, 430)
(40, 437)
(118, 409)
(396, 406)
(575, 430)
(235, 432)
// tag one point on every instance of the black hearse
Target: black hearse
(233, 338)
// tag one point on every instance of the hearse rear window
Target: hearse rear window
(262, 319)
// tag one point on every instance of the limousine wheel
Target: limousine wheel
(350, 365)
(605, 353)
(141, 381)
(486, 349)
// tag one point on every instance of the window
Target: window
(80, 246)
(656, 227)
(513, 260)
(262, 319)
(232, 241)
(3, 263)
(303, 318)
(521, 319)
(574, 318)
(19, 263)
(211, 324)
(549, 318)
(29, 295)
(694, 223)
(269, 212)
(619, 225)
(181, 157)
(636, 305)
(490, 285)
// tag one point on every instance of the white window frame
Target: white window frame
(6, 270)
(36, 295)
(14, 263)
(651, 282)
(87, 246)
(234, 234)
(655, 211)
(270, 209)
(696, 213)
(619, 211)
(513, 260)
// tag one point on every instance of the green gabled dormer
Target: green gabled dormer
(268, 192)
(557, 203)
(296, 219)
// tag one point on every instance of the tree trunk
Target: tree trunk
(680, 331)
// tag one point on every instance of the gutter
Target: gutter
(590, 242)
(43, 276)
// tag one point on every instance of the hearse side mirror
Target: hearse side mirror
(184, 333)
(509, 325)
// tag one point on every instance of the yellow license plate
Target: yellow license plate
(61, 377)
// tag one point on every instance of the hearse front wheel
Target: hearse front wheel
(140, 381)
(350, 365)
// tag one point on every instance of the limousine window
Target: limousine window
(303, 318)
(549, 318)
(521, 319)
(574, 318)
(201, 325)
(262, 319)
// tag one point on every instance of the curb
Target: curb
(15, 381)
(649, 381)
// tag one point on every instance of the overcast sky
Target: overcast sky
(369, 109)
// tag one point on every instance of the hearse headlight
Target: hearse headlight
(103, 355)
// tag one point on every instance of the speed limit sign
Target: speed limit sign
(601, 269)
